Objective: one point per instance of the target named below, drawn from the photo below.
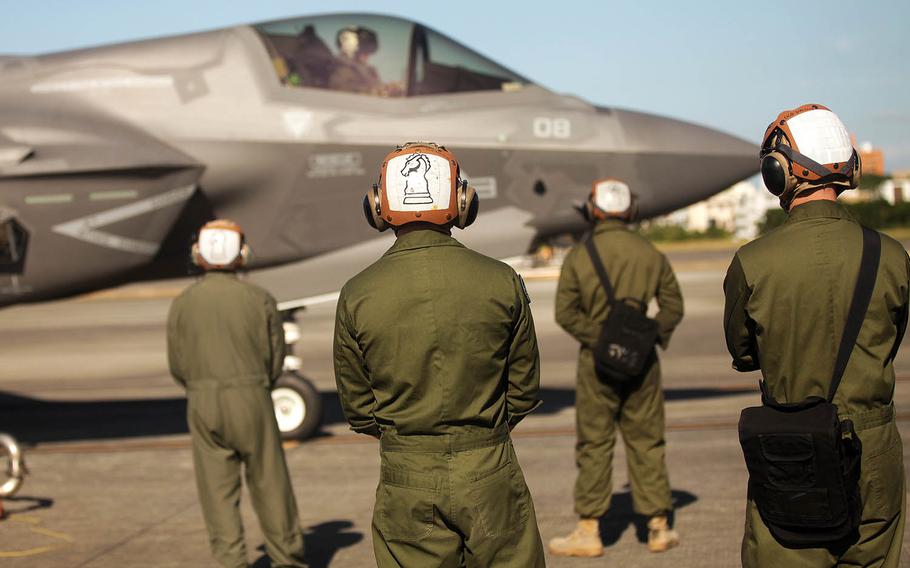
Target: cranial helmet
(806, 149)
(609, 198)
(221, 246)
(420, 181)
(356, 40)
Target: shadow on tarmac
(35, 421)
(321, 542)
(555, 400)
(622, 514)
(25, 504)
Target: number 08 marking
(547, 127)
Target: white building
(738, 210)
(895, 190)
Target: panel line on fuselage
(85, 228)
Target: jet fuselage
(111, 157)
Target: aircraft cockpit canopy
(379, 56)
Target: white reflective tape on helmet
(819, 134)
(612, 196)
(418, 182)
(219, 247)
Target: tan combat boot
(660, 537)
(583, 541)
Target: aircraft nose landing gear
(15, 469)
(298, 406)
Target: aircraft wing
(78, 180)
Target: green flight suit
(636, 270)
(787, 296)
(226, 347)
(435, 351)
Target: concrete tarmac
(84, 384)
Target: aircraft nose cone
(683, 162)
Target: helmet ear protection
(364, 39)
(775, 171)
(195, 257)
(587, 211)
(856, 177)
(616, 198)
(210, 260)
(244, 258)
(466, 196)
(372, 209)
(787, 171)
(591, 213)
(633, 211)
(468, 205)
(426, 186)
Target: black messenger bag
(803, 462)
(625, 348)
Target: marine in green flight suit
(226, 347)
(787, 298)
(636, 270)
(436, 355)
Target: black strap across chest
(862, 294)
(600, 270)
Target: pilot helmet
(806, 149)
(610, 198)
(221, 245)
(356, 40)
(420, 182)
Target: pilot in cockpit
(352, 72)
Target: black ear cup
(367, 209)
(633, 211)
(372, 209)
(468, 205)
(857, 176)
(775, 171)
(195, 256)
(246, 255)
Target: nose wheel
(15, 468)
(298, 406)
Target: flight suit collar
(609, 225)
(217, 274)
(422, 239)
(818, 210)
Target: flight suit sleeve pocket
(500, 501)
(884, 489)
(405, 505)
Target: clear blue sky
(732, 65)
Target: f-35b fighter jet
(111, 157)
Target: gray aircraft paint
(136, 121)
(87, 228)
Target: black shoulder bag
(804, 463)
(625, 347)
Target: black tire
(290, 390)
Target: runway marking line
(34, 525)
